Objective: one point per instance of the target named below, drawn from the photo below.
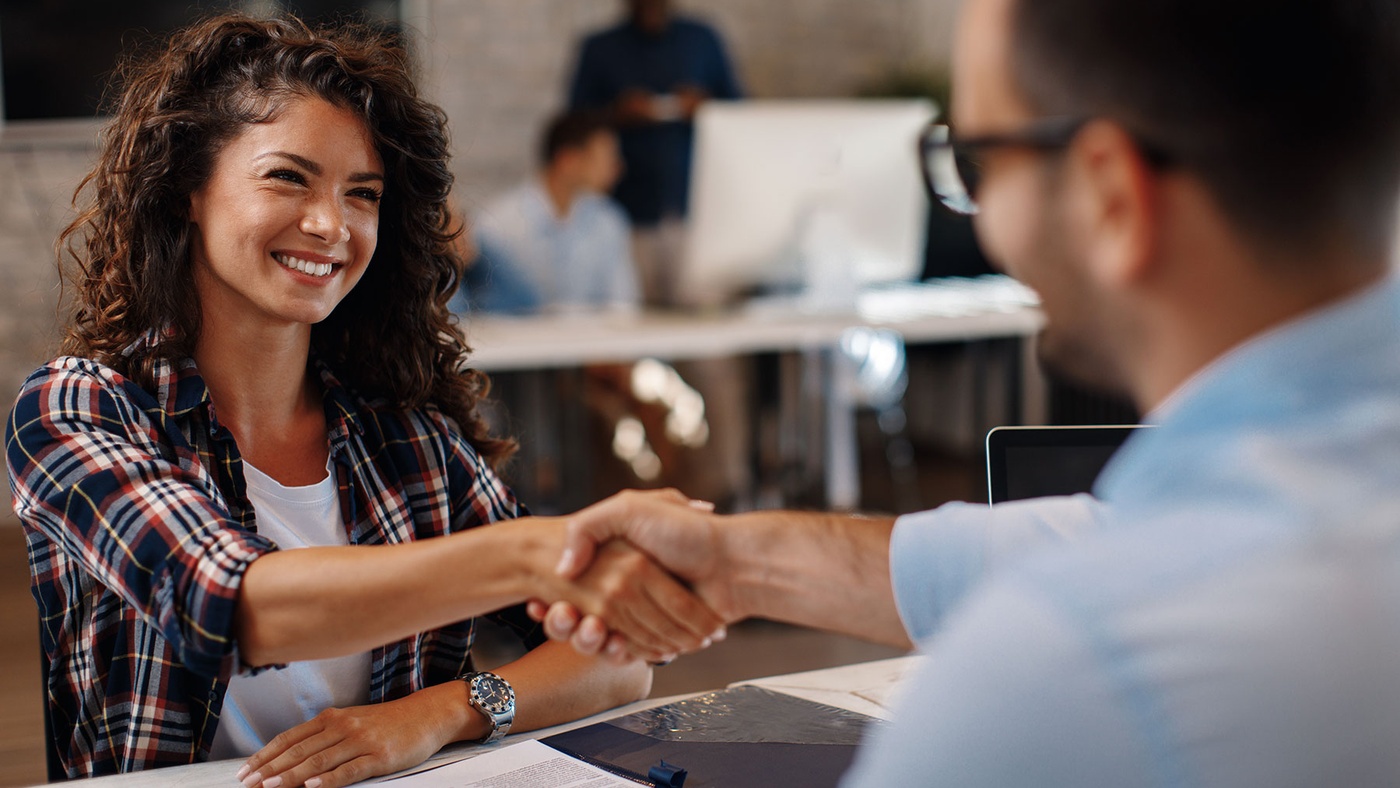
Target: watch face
(493, 693)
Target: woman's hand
(669, 528)
(343, 746)
(659, 617)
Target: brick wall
(500, 67)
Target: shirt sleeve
(1010, 695)
(586, 90)
(938, 556)
(723, 82)
(89, 473)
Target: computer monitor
(824, 196)
(1031, 462)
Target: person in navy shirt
(651, 73)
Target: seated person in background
(557, 242)
(260, 505)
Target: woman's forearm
(321, 602)
(554, 684)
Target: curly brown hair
(392, 337)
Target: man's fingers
(695, 623)
(617, 517)
(589, 637)
(536, 609)
(672, 494)
(561, 620)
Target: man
(1203, 193)
(650, 74)
(556, 241)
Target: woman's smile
(288, 220)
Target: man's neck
(1218, 319)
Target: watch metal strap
(502, 715)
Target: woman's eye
(290, 176)
(371, 195)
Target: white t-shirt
(256, 708)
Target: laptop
(1032, 462)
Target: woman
(260, 356)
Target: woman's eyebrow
(315, 169)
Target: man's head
(581, 149)
(1214, 130)
(650, 16)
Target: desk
(864, 688)
(965, 311)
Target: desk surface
(921, 313)
(864, 688)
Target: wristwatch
(492, 695)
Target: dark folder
(744, 736)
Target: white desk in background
(928, 313)
(865, 688)
(940, 311)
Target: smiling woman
(252, 486)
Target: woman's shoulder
(74, 374)
(69, 395)
(172, 382)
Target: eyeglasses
(952, 168)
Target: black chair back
(57, 774)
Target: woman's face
(287, 222)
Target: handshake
(652, 575)
(643, 574)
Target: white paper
(528, 764)
(867, 689)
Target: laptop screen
(1031, 462)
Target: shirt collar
(342, 406)
(1288, 372)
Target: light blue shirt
(583, 260)
(1230, 617)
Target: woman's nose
(325, 219)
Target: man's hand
(689, 99)
(343, 746)
(679, 534)
(635, 107)
(658, 617)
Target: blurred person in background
(650, 74)
(557, 241)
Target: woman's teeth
(304, 266)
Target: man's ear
(1115, 204)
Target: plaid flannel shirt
(139, 531)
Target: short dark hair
(571, 130)
(1289, 112)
